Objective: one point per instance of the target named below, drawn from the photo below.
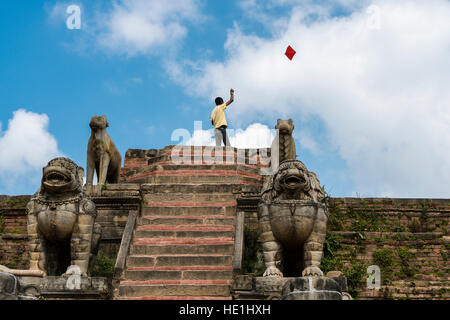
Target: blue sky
(154, 66)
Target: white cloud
(58, 12)
(382, 94)
(307, 141)
(25, 148)
(256, 135)
(130, 27)
(201, 138)
(140, 26)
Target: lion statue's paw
(312, 272)
(272, 272)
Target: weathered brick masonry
(13, 232)
(182, 206)
(112, 212)
(183, 242)
(407, 238)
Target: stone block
(270, 284)
(242, 282)
(312, 295)
(67, 287)
(314, 288)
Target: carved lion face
(292, 177)
(62, 175)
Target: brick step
(185, 274)
(183, 268)
(402, 295)
(204, 171)
(421, 283)
(170, 166)
(396, 296)
(185, 228)
(182, 241)
(188, 209)
(175, 282)
(213, 248)
(179, 260)
(213, 233)
(161, 288)
(188, 220)
(189, 188)
(417, 297)
(218, 178)
(410, 290)
(195, 197)
(206, 298)
(226, 164)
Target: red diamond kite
(290, 53)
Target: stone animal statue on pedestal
(283, 146)
(61, 221)
(102, 155)
(293, 218)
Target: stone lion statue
(102, 155)
(283, 146)
(293, 217)
(61, 221)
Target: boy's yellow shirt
(218, 116)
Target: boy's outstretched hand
(231, 97)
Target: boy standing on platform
(219, 121)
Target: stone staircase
(183, 242)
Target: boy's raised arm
(231, 97)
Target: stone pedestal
(331, 287)
(72, 287)
(315, 288)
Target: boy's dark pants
(220, 135)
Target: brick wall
(140, 163)
(112, 213)
(13, 232)
(407, 238)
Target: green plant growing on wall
(252, 261)
(356, 274)
(2, 223)
(385, 260)
(17, 202)
(336, 219)
(424, 219)
(444, 254)
(443, 227)
(17, 231)
(406, 268)
(414, 226)
(329, 262)
(103, 266)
